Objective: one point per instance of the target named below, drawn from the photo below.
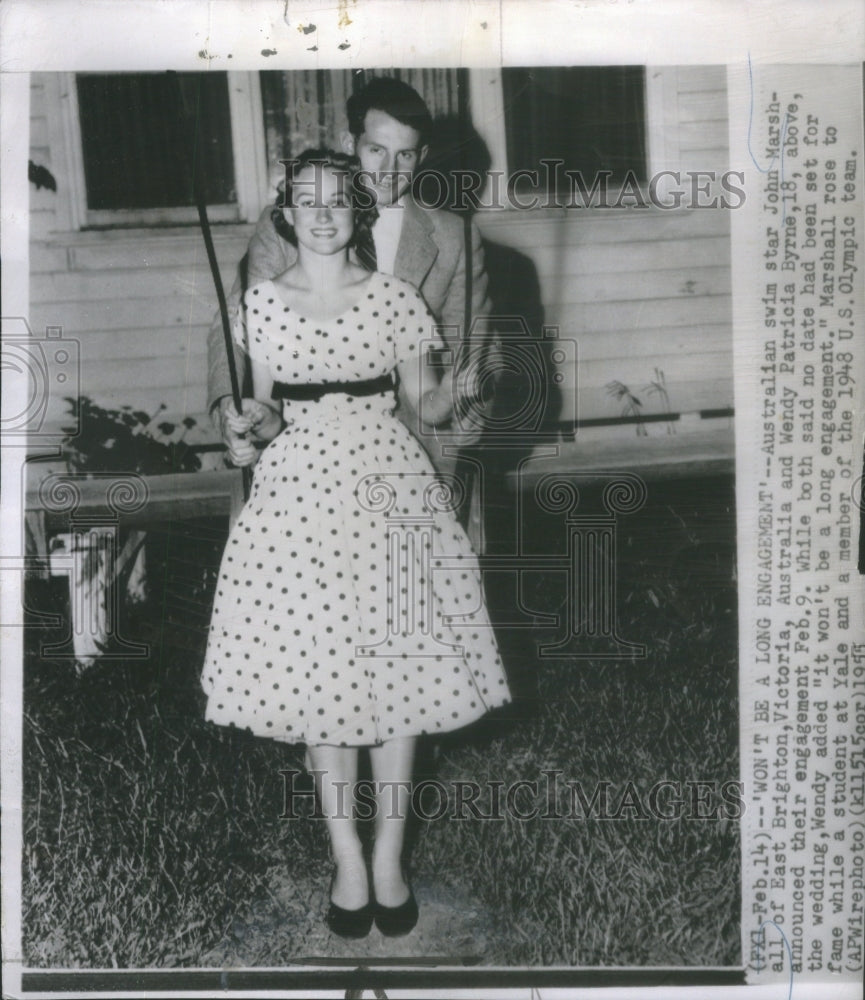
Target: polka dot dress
(349, 608)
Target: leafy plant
(658, 387)
(122, 441)
(631, 404)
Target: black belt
(305, 393)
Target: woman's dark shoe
(395, 921)
(350, 923)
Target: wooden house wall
(642, 291)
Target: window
(590, 117)
(137, 141)
(131, 147)
(307, 107)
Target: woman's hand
(456, 393)
(437, 404)
(257, 422)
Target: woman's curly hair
(360, 198)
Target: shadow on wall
(530, 411)
(514, 288)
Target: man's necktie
(364, 244)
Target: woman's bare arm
(431, 399)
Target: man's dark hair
(394, 98)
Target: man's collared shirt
(386, 233)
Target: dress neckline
(318, 319)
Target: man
(388, 130)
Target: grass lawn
(154, 839)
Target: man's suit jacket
(430, 255)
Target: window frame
(248, 153)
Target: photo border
(45, 35)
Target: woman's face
(320, 212)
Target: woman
(333, 622)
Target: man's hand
(258, 421)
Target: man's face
(389, 152)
